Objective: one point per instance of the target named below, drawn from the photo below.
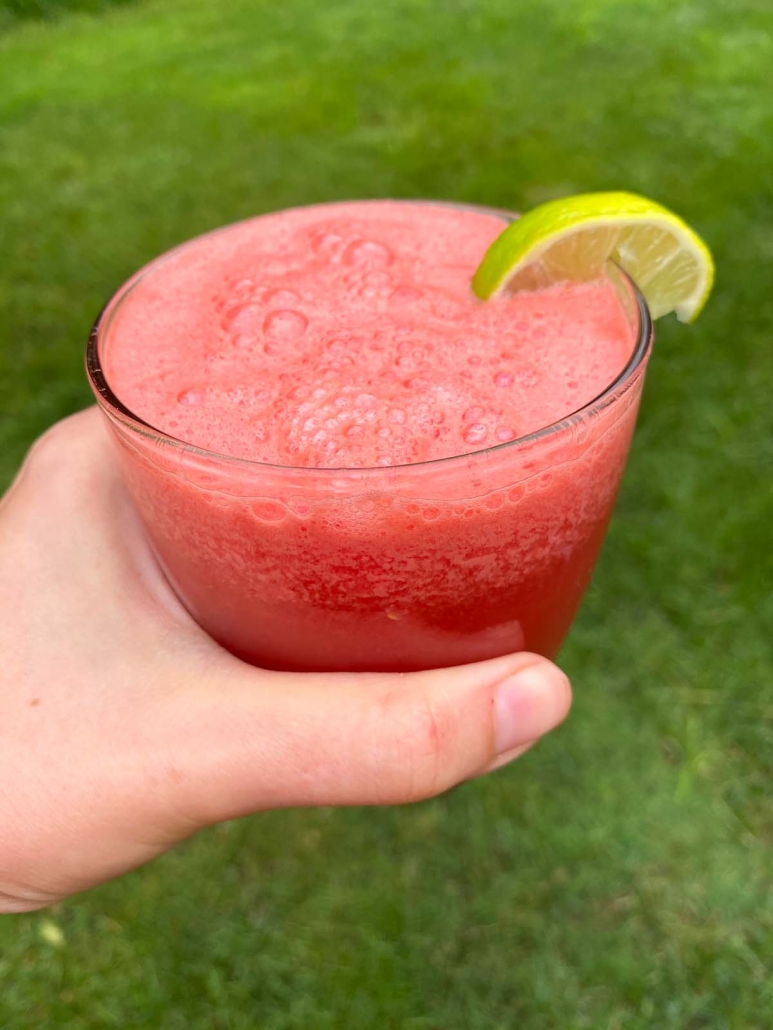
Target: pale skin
(125, 729)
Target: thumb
(271, 740)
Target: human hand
(124, 728)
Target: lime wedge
(573, 237)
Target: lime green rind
(691, 317)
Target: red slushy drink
(344, 460)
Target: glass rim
(114, 407)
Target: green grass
(619, 877)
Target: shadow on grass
(25, 10)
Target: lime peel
(573, 237)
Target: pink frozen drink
(344, 460)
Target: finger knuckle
(56, 460)
(17, 901)
(59, 447)
(420, 744)
(49, 449)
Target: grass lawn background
(620, 875)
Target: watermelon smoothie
(344, 460)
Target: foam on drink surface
(347, 335)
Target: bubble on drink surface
(326, 243)
(368, 254)
(473, 414)
(504, 434)
(261, 396)
(268, 511)
(503, 379)
(285, 324)
(366, 401)
(192, 396)
(476, 433)
(242, 317)
(336, 353)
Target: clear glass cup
(415, 566)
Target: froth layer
(347, 335)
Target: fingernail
(529, 704)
